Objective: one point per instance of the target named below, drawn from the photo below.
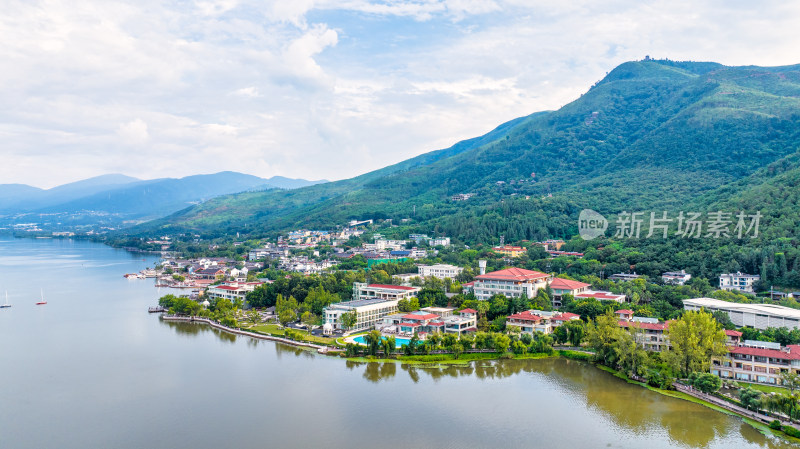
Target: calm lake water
(93, 369)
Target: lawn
(764, 388)
(278, 331)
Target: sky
(323, 89)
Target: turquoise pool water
(399, 341)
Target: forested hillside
(651, 135)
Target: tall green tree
(602, 335)
(694, 339)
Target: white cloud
(134, 132)
(322, 88)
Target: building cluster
(757, 361)
(532, 321)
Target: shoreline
(484, 356)
(320, 349)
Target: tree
(373, 341)
(348, 319)
(286, 309)
(432, 296)
(254, 316)
(707, 383)
(501, 343)
(790, 380)
(577, 330)
(308, 319)
(387, 345)
(694, 339)
(602, 335)
(750, 398)
(631, 357)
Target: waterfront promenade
(222, 327)
(730, 406)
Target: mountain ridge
(650, 134)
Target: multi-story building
(439, 241)
(440, 271)
(510, 251)
(232, 290)
(738, 281)
(676, 277)
(625, 276)
(561, 287)
(531, 321)
(601, 296)
(757, 361)
(759, 316)
(651, 334)
(511, 282)
(381, 291)
(369, 312)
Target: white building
(440, 271)
(439, 241)
(511, 282)
(676, 277)
(738, 281)
(232, 290)
(381, 291)
(759, 316)
(369, 312)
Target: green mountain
(651, 135)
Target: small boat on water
(42, 301)
(6, 304)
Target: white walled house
(440, 271)
(511, 282)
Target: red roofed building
(601, 296)
(650, 334)
(511, 282)
(734, 337)
(510, 251)
(232, 290)
(562, 287)
(531, 321)
(624, 314)
(760, 362)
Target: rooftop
(769, 309)
(512, 274)
(792, 352)
(567, 284)
(362, 302)
(525, 316)
(391, 287)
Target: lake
(93, 369)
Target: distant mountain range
(652, 135)
(118, 198)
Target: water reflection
(630, 408)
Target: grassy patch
(276, 331)
(764, 388)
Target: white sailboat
(6, 305)
(42, 302)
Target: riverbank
(759, 422)
(756, 420)
(236, 331)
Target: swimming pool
(399, 341)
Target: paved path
(214, 324)
(728, 405)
